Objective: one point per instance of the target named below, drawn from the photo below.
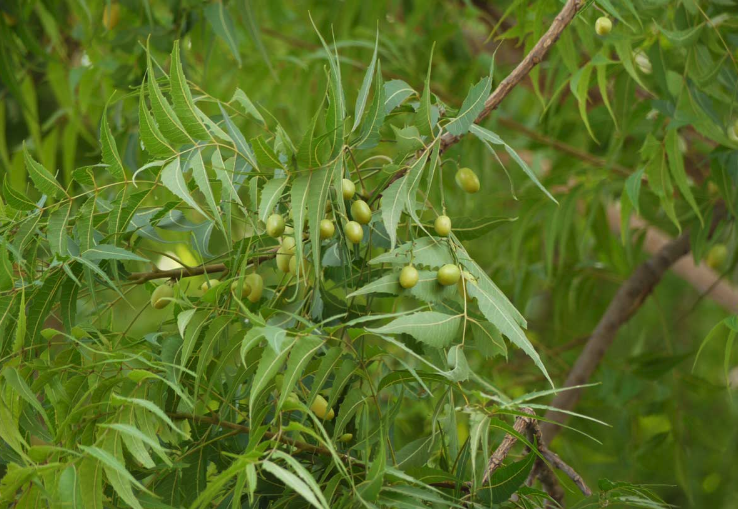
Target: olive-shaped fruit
(327, 229)
(275, 225)
(408, 276)
(354, 232)
(467, 180)
(243, 285)
(111, 15)
(256, 283)
(320, 408)
(161, 295)
(348, 189)
(716, 256)
(361, 212)
(288, 243)
(284, 253)
(346, 437)
(443, 226)
(448, 275)
(210, 283)
(603, 25)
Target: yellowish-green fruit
(348, 189)
(243, 285)
(210, 283)
(256, 283)
(408, 276)
(275, 225)
(346, 437)
(443, 226)
(353, 232)
(361, 212)
(284, 253)
(161, 295)
(327, 229)
(320, 408)
(111, 15)
(603, 25)
(716, 256)
(448, 275)
(467, 180)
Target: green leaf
(14, 380)
(271, 361)
(90, 480)
(16, 199)
(508, 479)
(365, 86)
(173, 179)
(265, 156)
(293, 482)
(320, 186)
(488, 136)
(110, 149)
(682, 38)
(300, 192)
(241, 98)
(222, 24)
(394, 199)
(430, 327)
(57, 229)
(369, 136)
(200, 174)
(424, 118)
(469, 228)
(579, 86)
(184, 106)
(429, 252)
(69, 489)
(676, 165)
(353, 402)
(243, 148)
(166, 119)
(42, 179)
(110, 252)
(270, 196)
(303, 351)
(224, 171)
(470, 108)
(153, 140)
(395, 92)
(307, 153)
(303, 474)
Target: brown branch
(521, 425)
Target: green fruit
(361, 212)
(320, 408)
(348, 189)
(275, 225)
(327, 229)
(354, 232)
(717, 256)
(448, 275)
(467, 180)
(603, 25)
(346, 437)
(443, 225)
(160, 296)
(408, 276)
(243, 285)
(256, 283)
(210, 283)
(288, 243)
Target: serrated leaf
(365, 86)
(57, 229)
(242, 147)
(109, 149)
(173, 179)
(471, 107)
(241, 98)
(374, 119)
(69, 489)
(307, 153)
(320, 186)
(265, 156)
(224, 173)
(468, 228)
(681, 38)
(676, 165)
(271, 361)
(184, 106)
(222, 24)
(16, 199)
(166, 119)
(293, 482)
(110, 252)
(429, 252)
(395, 92)
(154, 141)
(429, 327)
(41, 177)
(270, 196)
(303, 351)
(507, 479)
(298, 200)
(200, 174)
(579, 86)
(394, 199)
(423, 117)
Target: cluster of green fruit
(250, 287)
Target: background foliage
(95, 381)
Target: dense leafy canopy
(196, 312)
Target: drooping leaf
(471, 107)
(222, 24)
(430, 327)
(109, 148)
(184, 106)
(365, 86)
(42, 179)
(173, 179)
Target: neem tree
(276, 380)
